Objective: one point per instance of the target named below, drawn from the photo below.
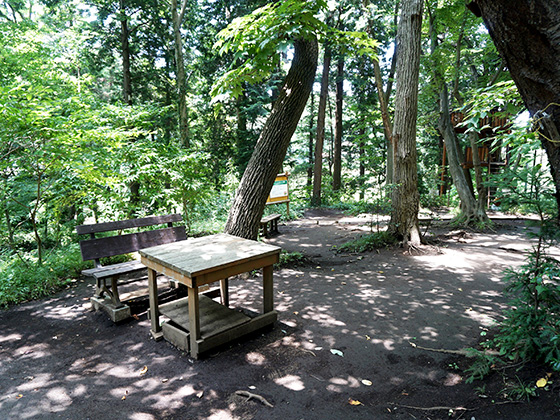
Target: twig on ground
(250, 395)
(436, 408)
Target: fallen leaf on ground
(354, 402)
(337, 352)
(541, 383)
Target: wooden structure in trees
(491, 156)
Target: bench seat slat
(123, 244)
(269, 218)
(114, 270)
(128, 224)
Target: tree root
(461, 352)
(250, 395)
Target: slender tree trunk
(361, 158)
(181, 75)
(6, 211)
(387, 126)
(337, 154)
(481, 192)
(405, 198)
(310, 142)
(394, 59)
(125, 50)
(384, 97)
(241, 158)
(270, 150)
(321, 115)
(470, 209)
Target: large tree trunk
(125, 51)
(266, 161)
(181, 75)
(321, 115)
(405, 198)
(527, 36)
(337, 153)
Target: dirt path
(343, 338)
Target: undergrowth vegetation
(530, 329)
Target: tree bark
(319, 142)
(125, 51)
(337, 154)
(405, 197)
(310, 142)
(181, 75)
(527, 36)
(270, 150)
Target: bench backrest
(96, 248)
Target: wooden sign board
(280, 192)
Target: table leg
(194, 320)
(154, 308)
(268, 296)
(224, 291)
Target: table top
(197, 256)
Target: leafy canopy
(254, 40)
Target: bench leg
(115, 292)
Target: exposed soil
(341, 348)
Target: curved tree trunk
(405, 198)
(471, 209)
(527, 36)
(266, 160)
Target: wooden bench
(271, 220)
(96, 248)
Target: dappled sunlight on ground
(346, 324)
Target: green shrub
(291, 259)
(531, 328)
(21, 281)
(369, 242)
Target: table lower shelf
(218, 324)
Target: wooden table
(198, 323)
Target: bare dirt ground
(340, 349)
